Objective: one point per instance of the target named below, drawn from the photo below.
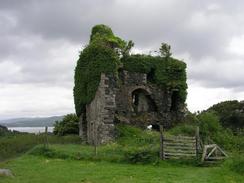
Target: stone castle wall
(100, 113)
(128, 99)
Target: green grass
(13, 145)
(132, 158)
(36, 169)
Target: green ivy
(104, 54)
(100, 56)
(166, 73)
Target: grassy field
(133, 157)
(38, 169)
(15, 144)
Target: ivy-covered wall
(106, 53)
(99, 56)
(166, 73)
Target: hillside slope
(31, 122)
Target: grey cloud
(200, 28)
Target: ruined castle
(133, 97)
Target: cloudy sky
(41, 40)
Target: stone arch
(142, 101)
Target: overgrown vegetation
(106, 53)
(231, 114)
(68, 125)
(236, 163)
(167, 73)
(132, 146)
(4, 131)
(211, 131)
(100, 56)
(16, 144)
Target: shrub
(210, 128)
(69, 125)
(129, 135)
(141, 155)
(48, 152)
(184, 129)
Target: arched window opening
(142, 101)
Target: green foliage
(15, 144)
(101, 31)
(209, 124)
(165, 50)
(141, 156)
(130, 135)
(236, 164)
(210, 128)
(184, 129)
(133, 145)
(127, 49)
(102, 34)
(4, 131)
(48, 152)
(231, 114)
(187, 126)
(100, 56)
(168, 74)
(122, 154)
(106, 53)
(211, 131)
(69, 125)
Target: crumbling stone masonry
(129, 99)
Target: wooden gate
(185, 147)
(178, 147)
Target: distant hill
(231, 114)
(31, 122)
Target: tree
(68, 125)
(127, 49)
(165, 50)
(231, 114)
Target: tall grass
(15, 144)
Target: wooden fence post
(46, 138)
(161, 153)
(197, 141)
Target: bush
(211, 131)
(143, 156)
(69, 125)
(48, 152)
(210, 128)
(184, 129)
(129, 135)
